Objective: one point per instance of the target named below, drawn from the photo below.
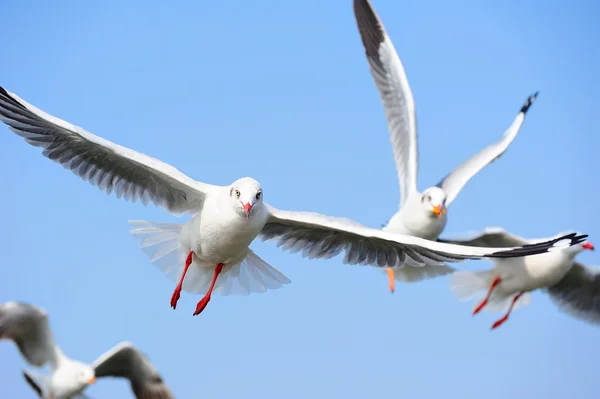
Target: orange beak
(438, 211)
(247, 208)
(588, 245)
(91, 380)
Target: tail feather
(161, 243)
(409, 274)
(251, 275)
(38, 382)
(466, 285)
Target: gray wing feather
(28, 327)
(453, 183)
(126, 361)
(109, 166)
(578, 293)
(398, 103)
(493, 237)
(320, 236)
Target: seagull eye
(426, 197)
(237, 193)
(258, 195)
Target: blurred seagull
(572, 286)
(28, 327)
(420, 214)
(211, 251)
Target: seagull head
(72, 378)
(246, 194)
(434, 201)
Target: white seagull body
(29, 328)
(225, 219)
(420, 214)
(573, 286)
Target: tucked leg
(496, 281)
(204, 301)
(177, 292)
(499, 322)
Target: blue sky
(280, 91)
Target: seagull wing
(125, 360)
(578, 293)
(398, 103)
(28, 327)
(490, 237)
(320, 236)
(109, 166)
(455, 181)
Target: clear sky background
(281, 91)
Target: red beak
(588, 245)
(247, 208)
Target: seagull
(420, 214)
(211, 251)
(28, 327)
(572, 286)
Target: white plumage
(574, 287)
(213, 247)
(420, 214)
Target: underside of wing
(320, 236)
(578, 293)
(453, 183)
(109, 166)
(398, 103)
(28, 327)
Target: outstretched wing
(456, 180)
(28, 327)
(493, 237)
(398, 103)
(109, 166)
(320, 236)
(125, 360)
(578, 293)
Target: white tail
(466, 285)
(162, 244)
(39, 383)
(410, 274)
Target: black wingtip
(371, 31)
(540, 247)
(530, 100)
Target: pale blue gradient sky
(281, 91)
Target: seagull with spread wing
(211, 251)
(571, 285)
(420, 214)
(29, 328)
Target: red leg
(177, 292)
(496, 281)
(390, 273)
(204, 301)
(499, 322)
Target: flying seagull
(571, 285)
(28, 327)
(420, 214)
(211, 251)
